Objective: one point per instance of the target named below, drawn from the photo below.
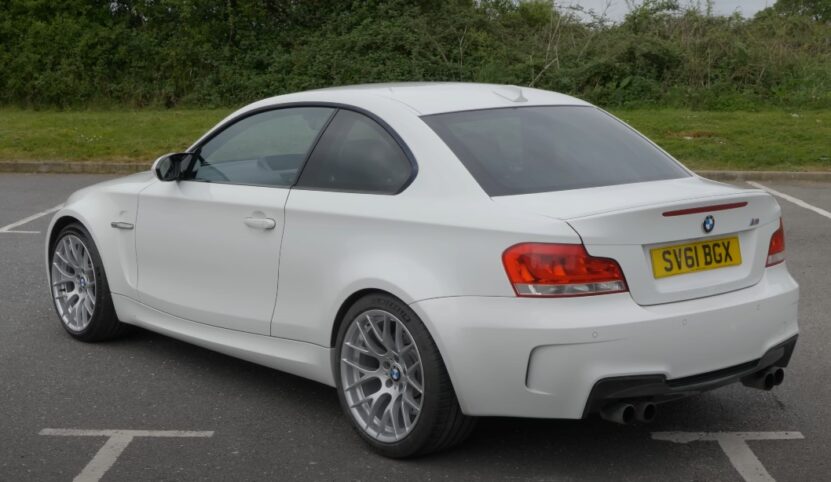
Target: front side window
(356, 154)
(525, 150)
(265, 149)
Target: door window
(356, 154)
(265, 149)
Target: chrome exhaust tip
(778, 376)
(645, 412)
(620, 412)
(765, 379)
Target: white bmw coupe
(439, 252)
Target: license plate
(692, 257)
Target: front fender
(95, 208)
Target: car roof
(426, 98)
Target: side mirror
(170, 167)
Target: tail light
(538, 269)
(776, 251)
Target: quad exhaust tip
(620, 412)
(626, 413)
(645, 412)
(778, 376)
(765, 379)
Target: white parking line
(117, 441)
(734, 445)
(788, 197)
(8, 228)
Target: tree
(819, 10)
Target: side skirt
(299, 358)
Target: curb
(67, 167)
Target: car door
(341, 209)
(208, 246)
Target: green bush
(165, 53)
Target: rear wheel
(79, 287)
(392, 382)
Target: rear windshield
(526, 150)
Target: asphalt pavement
(254, 423)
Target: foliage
(820, 10)
(165, 53)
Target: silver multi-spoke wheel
(382, 377)
(73, 282)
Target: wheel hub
(395, 373)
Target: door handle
(261, 223)
(121, 225)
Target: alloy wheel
(382, 377)
(73, 282)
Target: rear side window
(526, 150)
(356, 154)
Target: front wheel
(392, 382)
(79, 287)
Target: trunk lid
(625, 222)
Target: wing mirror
(171, 167)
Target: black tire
(103, 324)
(441, 423)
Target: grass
(115, 136)
(768, 140)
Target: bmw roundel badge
(709, 224)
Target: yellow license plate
(691, 257)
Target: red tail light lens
(776, 251)
(541, 269)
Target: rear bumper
(544, 358)
(657, 389)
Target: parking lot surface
(223, 419)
